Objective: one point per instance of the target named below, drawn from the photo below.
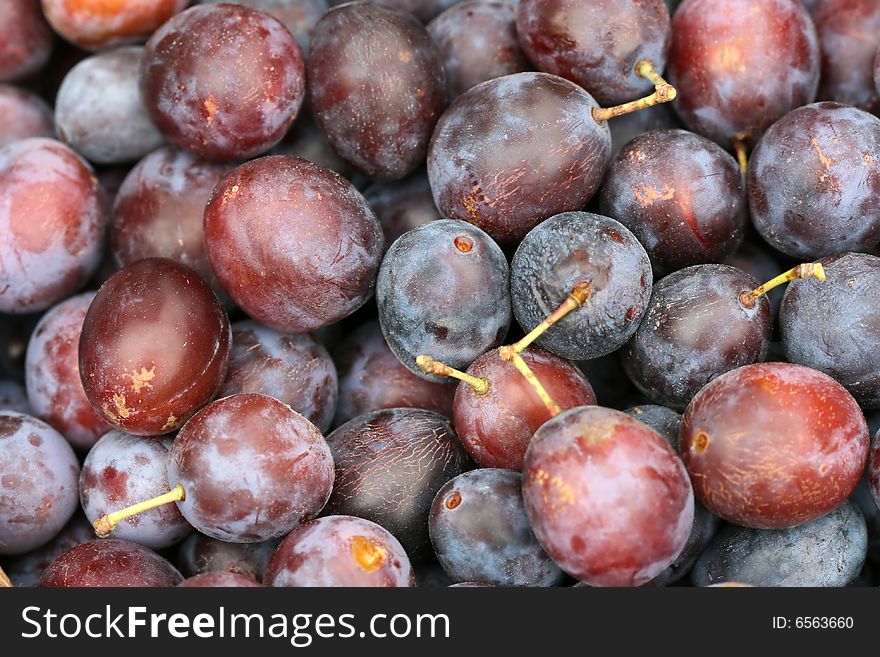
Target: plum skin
(774, 445)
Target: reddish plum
(53, 221)
(774, 445)
(402, 205)
(110, 564)
(25, 40)
(294, 244)
(55, 389)
(340, 551)
(377, 87)
(23, 114)
(607, 497)
(154, 347)
(224, 81)
(25, 570)
(295, 369)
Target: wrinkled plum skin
(814, 182)
(739, 65)
(298, 16)
(773, 445)
(834, 326)
(443, 291)
(99, 110)
(98, 25)
(25, 40)
(26, 570)
(304, 224)
(597, 44)
(218, 580)
(217, 453)
(402, 205)
(109, 564)
(629, 126)
(389, 466)
(827, 552)
(496, 427)
(53, 221)
(22, 115)
(607, 497)
(159, 211)
(340, 551)
(477, 42)
(294, 368)
(121, 470)
(200, 72)
(371, 378)
(202, 554)
(849, 35)
(661, 419)
(573, 248)
(515, 150)
(54, 386)
(154, 347)
(696, 328)
(681, 195)
(480, 532)
(376, 86)
(38, 483)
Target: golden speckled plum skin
(55, 389)
(224, 81)
(695, 329)
(496, 427)
(814, 182)
(477, 42)
(680, 194)
(110, 563)
(515, 150)
(739, 65)
(849, 35)
(295, 245)
(53, 221)
(154, 347)
(607, 497)
(443, 291)
(376, 86)
(597, 44)
(38, 482)
(834, 325)
(574, 248)
(338, 551)
(774, 445)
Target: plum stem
(105, 524)
(508, 353)
(5, 582)
(663, 93)
(806, 270)
(742, 153)
(573, 301)
(430, 366)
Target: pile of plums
(429, 293)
